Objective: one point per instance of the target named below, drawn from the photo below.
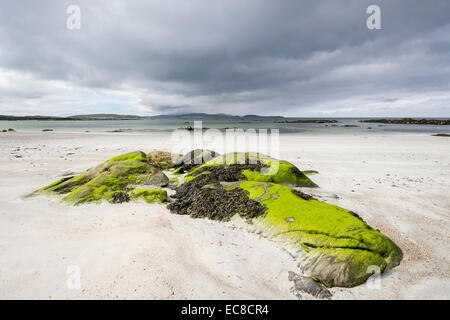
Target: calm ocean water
(150, 125)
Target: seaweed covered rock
(306, 284)
(214, 201)
(117, 180)
(195, 158)
(162, 159)
(150, 195)
(252, 167)
(335, 247)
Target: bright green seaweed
(136, 155)
(277, 171)
(150, 195)
(337, 247)
(118, 179)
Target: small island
(85, 117)
(308, 121)
(409, 121)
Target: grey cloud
(268, 57)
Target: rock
(302, 195)
(119, 179)
(132, 156)
(119, 197)
(11, 130)
(195, 158)
(47, 130)
(436, 122)
(252, 167)
(214, 201)
(150, 195)
(310, 172)
(334, 245)
(441, 135)
(308, 121)
(121, 130)
(163, 160)
(307, 285)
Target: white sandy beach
(399, 184)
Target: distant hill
(13, 118)
(104, 116)
(185, 116)
(84, 117)
(217, 116)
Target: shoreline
(146, 132)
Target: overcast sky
(294, 58)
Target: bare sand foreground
(398, 184)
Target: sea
(343, 126)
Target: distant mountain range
(207, 116)
(84, 117)
(217, 116)
(106, 116)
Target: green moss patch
(337, 246)
(114, 180)
(162, 159)
(150, 195)
(132, 156)
(255, 167)
(310, 172)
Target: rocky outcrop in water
(441, 135)
(409, 121)
(308, 121)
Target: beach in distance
(397, 180)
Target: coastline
(397, 183)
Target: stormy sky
(290, 57)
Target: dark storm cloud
(268, 57)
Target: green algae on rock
(195, 158)
(116, 180)
(336, 248)
(253, 167)
(150, 195)
(164, 160)
(136, 155)
(310, 172)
